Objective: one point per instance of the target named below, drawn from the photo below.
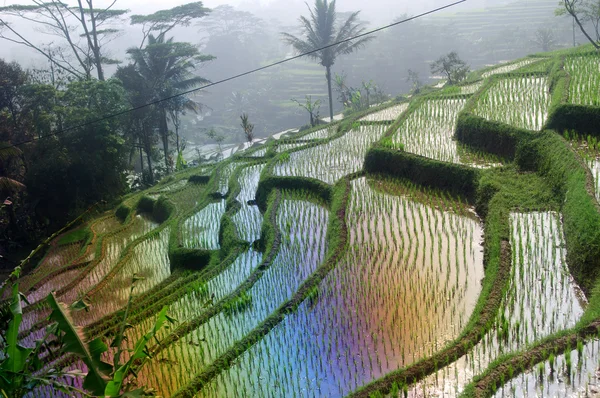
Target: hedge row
(493, 137)
(456, 178)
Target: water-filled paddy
(385, 305)
(304, 225)
(521, 102)
(331, 161)
(542, 299)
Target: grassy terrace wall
(551, 156)
(455, 178)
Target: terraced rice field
(304, 249)
(363, 320)
(542, 299)
(507, 68)
(574, 374)
(388, 114)
(342, 283)
(585, 79)
(331, 161)
(429, 131)
(520, 102)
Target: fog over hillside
(483, 32)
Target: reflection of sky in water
(302, 250)
(371, 314)
(543, 300)
(584, 380)
(248, 220)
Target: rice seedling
(260, 153)
(304, 227)
(199, 296)
(507, 68)
(543, 65)
(388, 114)
(331, 161)
(429, 132)
(580, 381)
(406, 286)
(471, 88)
(585, 79)
(112, 247)
(201, 231)
(542, 299)
(521, 102)
(320, 134)
(248, 220)
(224, 175)
(149, 260)
(286, 147)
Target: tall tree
(322, 30)
(452, 66)
(83, 29)
(166, 66)
(140, 126)
(582, 12)
(162, 22)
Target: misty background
(245, 34)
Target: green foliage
(454, 68)
(85, 164)
(122, 212)
(190, 259)
(77, 235)
(493, 137)
(585, 119)
(239, 304)
(198, 179)
(90, 353)
(145, 204)
(22, 371)
(457, 179)
(163, 209)
(270, 182)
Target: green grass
(80, 234)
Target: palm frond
(7, 151)
(8, 185)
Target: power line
(236, 76)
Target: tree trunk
(574, 15)
(150, 167)
(164, 133)
(141, 156)
(328, 75)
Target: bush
(145, 204)
(162, 210)
(189, 259)
(122, 212)
(458, 179)
(198, 179)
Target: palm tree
(322, 31)
(167, 66)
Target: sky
(285, 12)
